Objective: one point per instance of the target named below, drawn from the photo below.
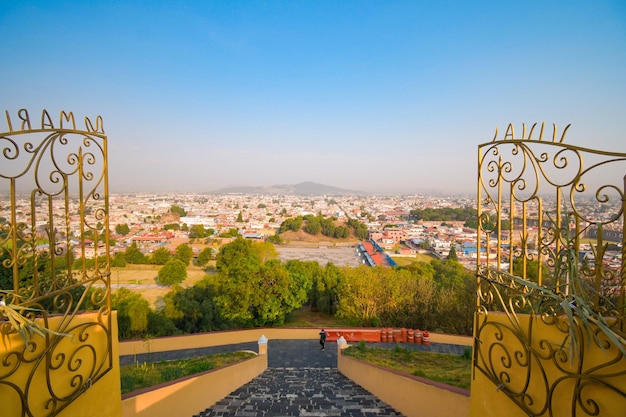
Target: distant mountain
(304, 188)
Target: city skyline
(378, 97)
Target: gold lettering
(495, 137)
(510, 132)
(523, 130)
(564, 133)
(532, 129)
(554, 128)
(46, 121)
(23, 116)
(99, 125)
(6, 112)
(69, 117)
(543, 125)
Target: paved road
(284, 353)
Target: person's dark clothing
(322, 338)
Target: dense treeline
(465, 214)
(252, 288)
(439, 296)
(326, 226)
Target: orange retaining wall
(408, 394)
(188, 396)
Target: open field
(419, 257)
(340, 256)
(142, 279)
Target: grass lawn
(450, 369)
(419, 257)
(137, 376)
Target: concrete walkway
(301, 380)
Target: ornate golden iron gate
(54, 254)
(550, 259)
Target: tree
(274, 297)
(275, 239)
(172, 226)
(313, 226)
(455, 298)
(232, 232)
(359, 296)
(122, 229)
(178, 210)
(173, 272)
(132, 313)
(327, 286)
(301, 275)
(239, 218)
(160, 326)
(328, 227)
(342, 232)
(26, 270)
(118, 260)
(452, 253)
(133, 255)
(253, 287)
(265, 251)
(360, 229)
(205, 256)
(197, 231)
(193, 309)
(291, 224)
(184, 253)
(161, 256)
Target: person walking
(322, 339)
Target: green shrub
(137, 376)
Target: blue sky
(380, 96)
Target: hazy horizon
(381, 97)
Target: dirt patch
(304, 239)
(305, 317)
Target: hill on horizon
(303, 188)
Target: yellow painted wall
(191, 395)
(487, 400)
(101, 399)
(412, 396)
(104, 398)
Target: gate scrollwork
(54, 255)
(550, 261)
